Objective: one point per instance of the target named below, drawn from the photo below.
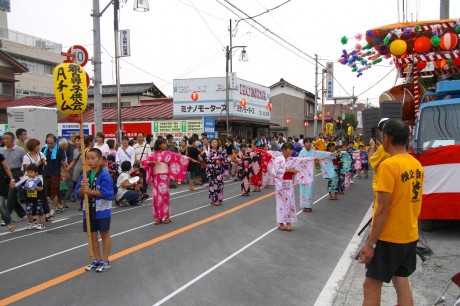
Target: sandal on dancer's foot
(216, 203)
(256, 190)
(11, 227)
(192, 189)
(166, 221)
(306, 209)
(157, 221)
(289, 228)
(245, 195)
(281, 227)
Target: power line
(377, 82)
(268, 30)
(267, 11)
(206, 23)
(265, 34)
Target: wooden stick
(85, 201)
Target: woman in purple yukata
(217, 167)
(160, 166)
(284, 183)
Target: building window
(6, 89)
(114, 104)
(36, 67)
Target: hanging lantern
(448, 41)
(306, 124)
(422, 44)
(440, 64)
(243, 102)
(269, 106)
(194, 96)
(398, 47)
(288, 121)
(421, 65)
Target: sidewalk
(426, 282)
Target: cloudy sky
(186, 38)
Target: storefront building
(206, 97)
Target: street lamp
(140, 6)
(228, 55)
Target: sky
(179, 39)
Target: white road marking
(113, 213)
(330, 289)
(179, 290)
(114, 235)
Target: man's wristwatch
(372, 245)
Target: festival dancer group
(256, 167)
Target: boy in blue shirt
(99, 188)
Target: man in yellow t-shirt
(320, 144)
(390, 251)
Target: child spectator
(139, 188)
(235, 162)
(34, 205)
(364, 161)
(125, 197)
(62, 191)
(99, 188)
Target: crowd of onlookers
(58, 163)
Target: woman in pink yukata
(160, 166)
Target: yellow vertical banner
(70, 88)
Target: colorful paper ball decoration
(421, 65)
(288, 121)
(448, 41)
(422, 44)
(398, 47)
(440, 63)
(306, 124)
(243, 102)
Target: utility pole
(444, 9)
(315, 118)
(97, 78)
(231, 57)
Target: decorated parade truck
(437, 147)
(426, 55)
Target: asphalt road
(228, 255)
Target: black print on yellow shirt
(415, 189)
(31, 193)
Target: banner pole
(85, 201)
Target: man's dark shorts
(365, 166)
(98, 225)
(392, 259)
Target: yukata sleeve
(178, 164)
(278, 170)
(148, 168)
(305, 166)
(327, 167)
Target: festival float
(426, 56)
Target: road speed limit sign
(80, 53)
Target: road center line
(179, 290)
(114, 235)
(115, 212)
(60, 279)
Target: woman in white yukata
(284, 183)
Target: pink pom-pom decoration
(359, 36)
(358, 47)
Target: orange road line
(65, 277)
